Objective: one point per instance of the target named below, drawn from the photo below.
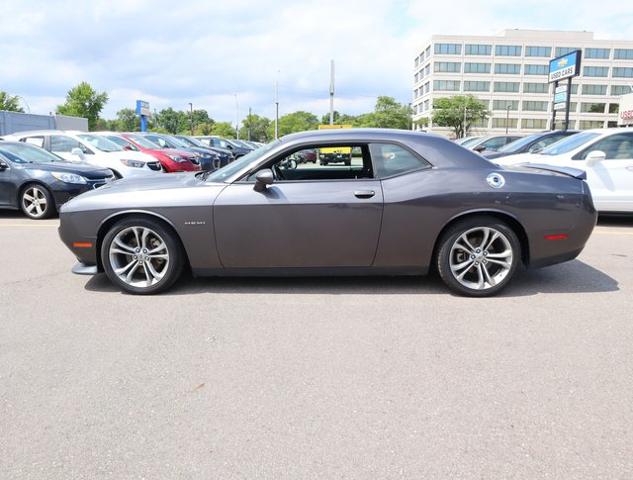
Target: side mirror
(535, 149)
(3, 166)
(595, 156)
(128, 148)
(78, 152)
(263, 178)
(479, 149)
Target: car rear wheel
(142, 256)
(37, 202)
(477, 257)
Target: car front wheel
(142, 256)
(477, 257)
(37, 202)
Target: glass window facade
(508, 50)
(536, 123)
(613, 108)
(476, 49)
(504, 104)
(623, 54)
(535, 87)
(592, 107)
(506, 87)
(538, 51)
(588, 71)
(594, 89)
(589, 124)
(564, 50)
(504, 122)
(476, 86)
(597, 53)
(476, 67)
(452, 67)
(534, 106)
(446, 85)
(535, 69)
(508, 68)
(448, 48)
(622, 72)
(620, 89)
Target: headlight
(69, 177)
(132, 163)
(176, 158)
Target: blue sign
(565, 66)
(142, 108)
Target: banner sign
(565, 66)
(142, 108)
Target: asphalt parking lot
(356, 378)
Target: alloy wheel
(139, 256)
(481, 258)
(34, 202)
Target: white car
(93, 149)
(605, 154)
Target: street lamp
(191, 110)
(507, 117)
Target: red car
(172, 160)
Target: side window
(616, 147)
(393, 160)
(61, 144)
(37, 141)
(323, 162)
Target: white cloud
(206, 52)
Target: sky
(225, 56)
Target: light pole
(277, 106)
(507, 117)
(191, 113)
(237, 118)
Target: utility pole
(331, 92)
(191, 111)
(237, 118)
(507, 117)
(277, 106)
(249, 124)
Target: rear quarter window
(390, 160)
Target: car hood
(174, 151)
(152, 182)
(130, 155)
(203, 151)
(83, 169)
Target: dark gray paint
(322, 227)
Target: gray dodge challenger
(407, 203)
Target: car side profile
(408, 203)
(38, 182)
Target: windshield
(232, 168)
(174, 142)
(101, 143)
(570, 143)
(122, 142)
(470, 141)
(192, 141)
(25, 153)
(520, 143)
(143, 142)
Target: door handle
(364, 193)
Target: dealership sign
(560, 97)
(625, 115)
(565, 66)
(142, 108)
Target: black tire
(174, 249)
(47, 207)
(453, 233)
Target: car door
(7, 183)
(311, 216)
(611, 179)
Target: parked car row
(41, 170)
(606, 155)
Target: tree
(10, 103)
(223, 129)
(127, 121)
(295, 122)
(459, 113)
(259, 128)
(388, 113)
(204, 128)
(173, 121)
(84, 101)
